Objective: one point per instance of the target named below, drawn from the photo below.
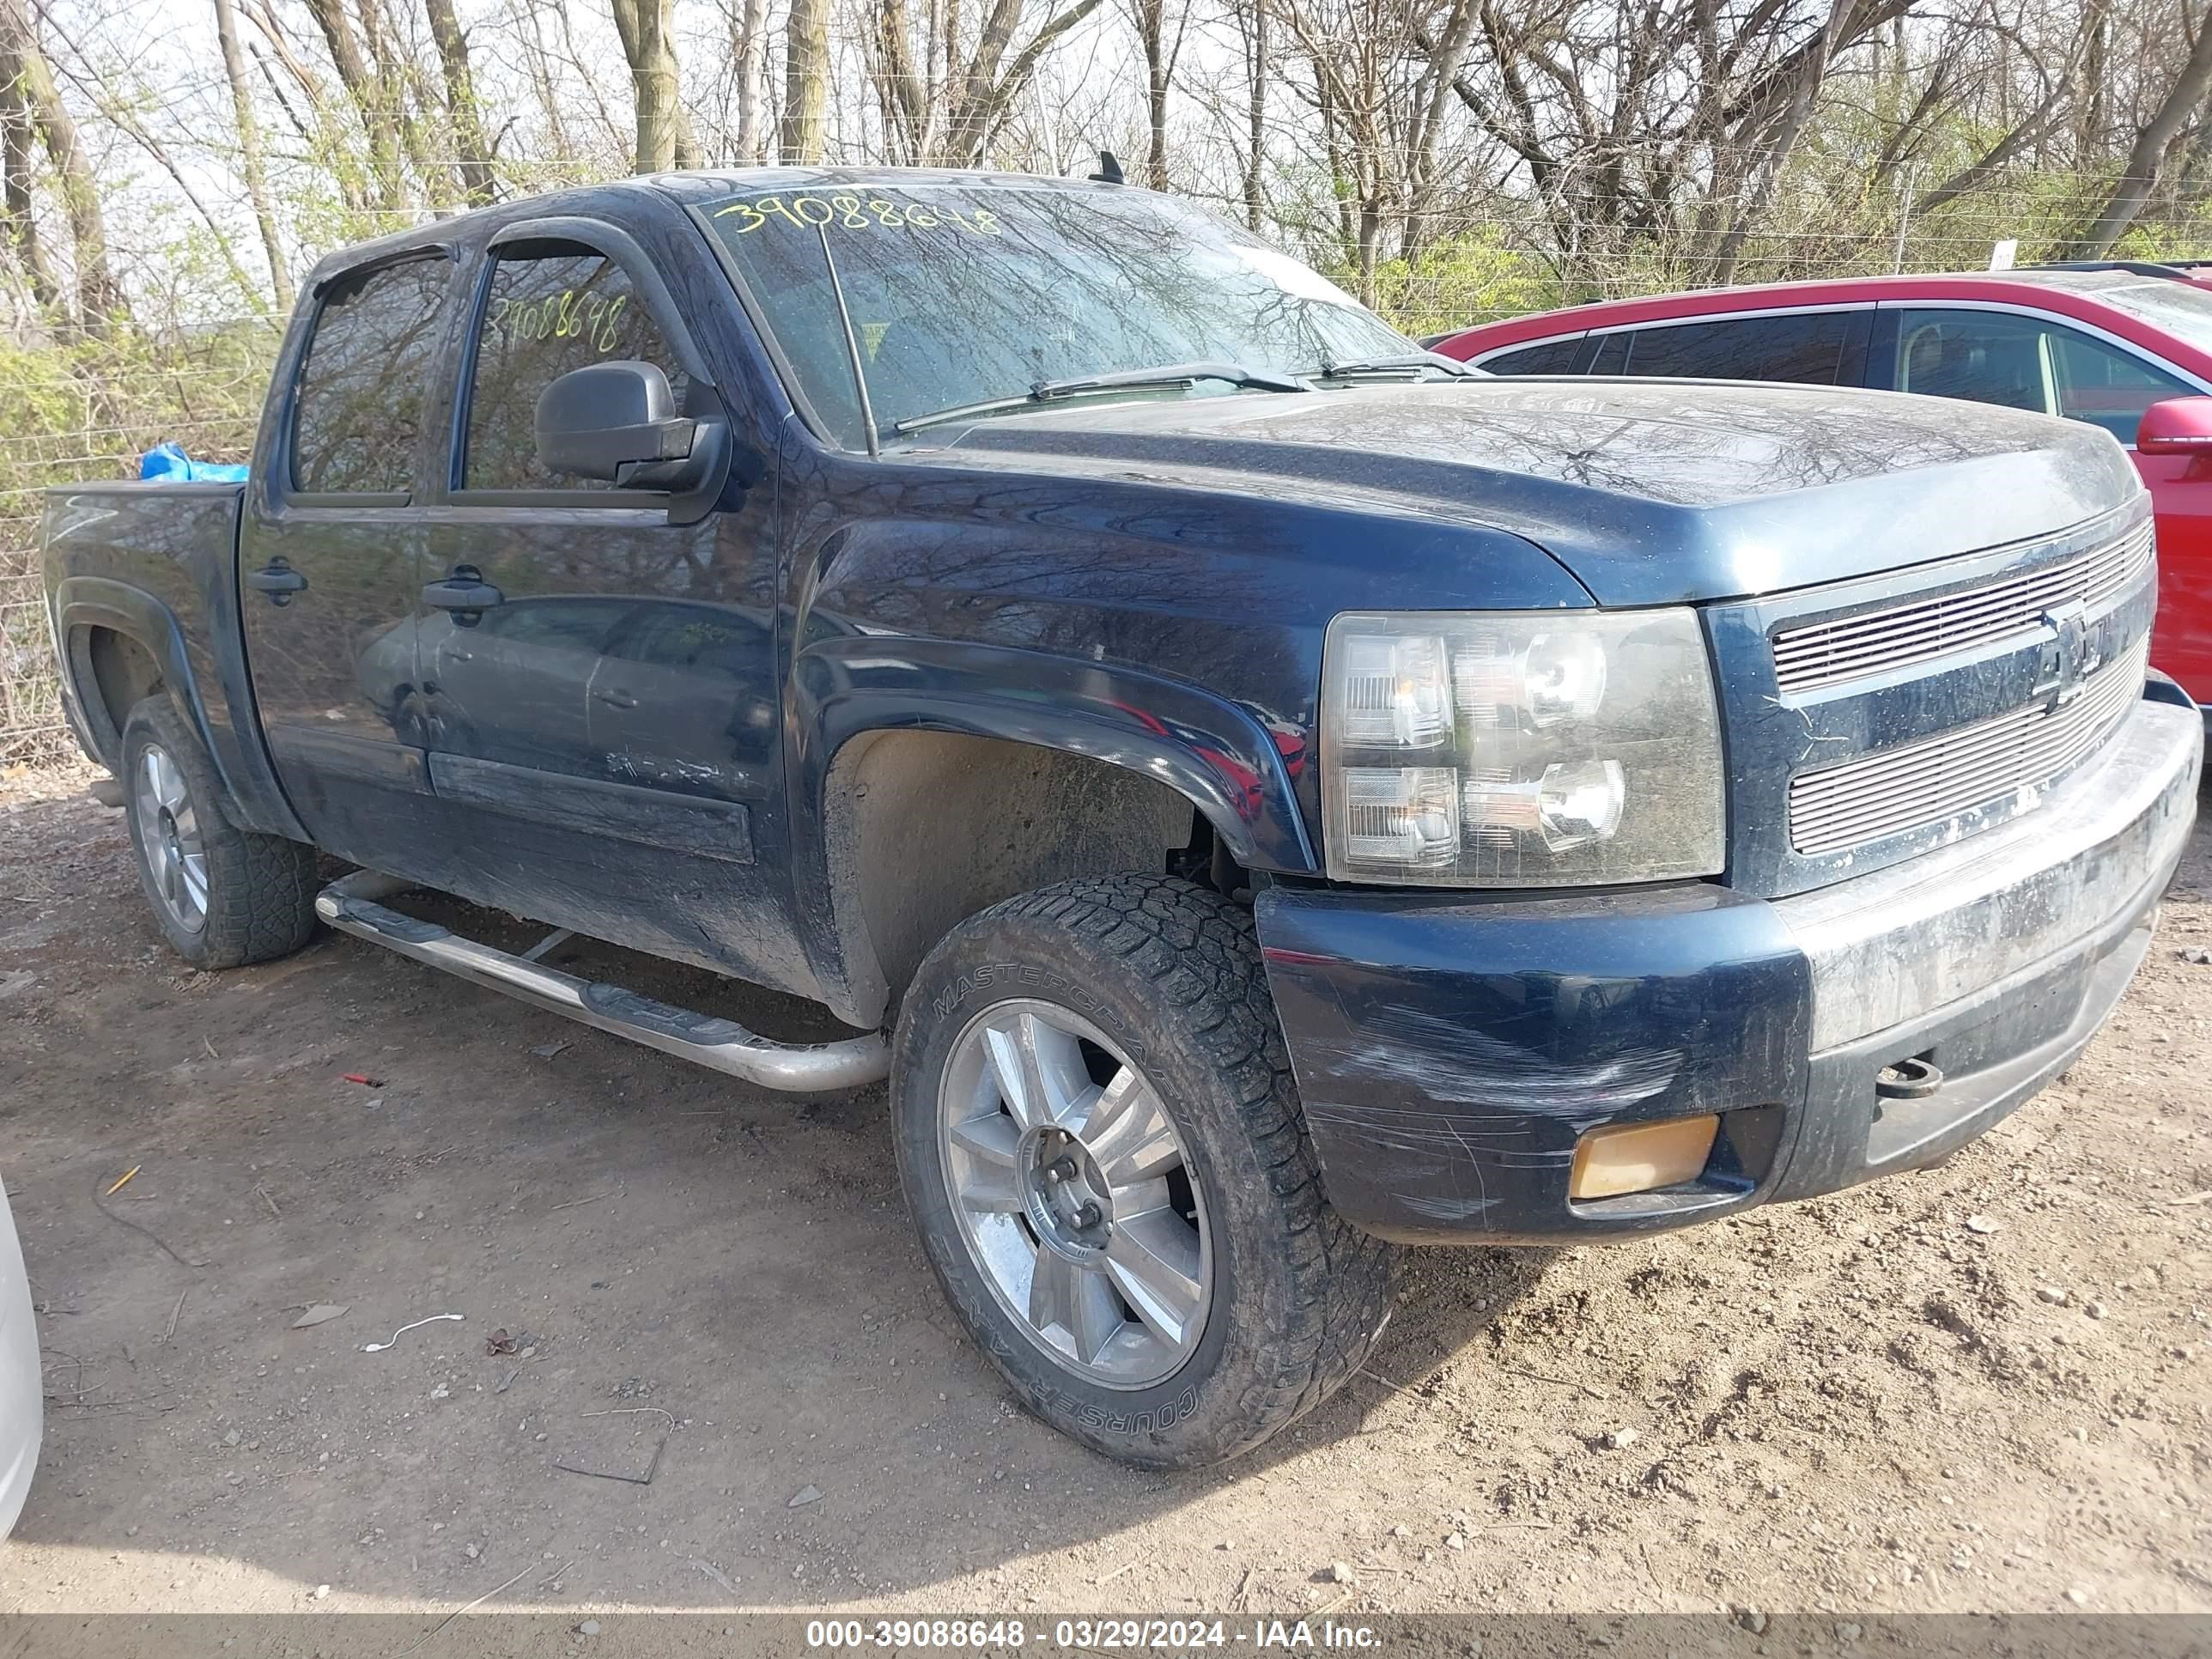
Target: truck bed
(113, 550)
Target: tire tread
(1199, 953)
(261, 887)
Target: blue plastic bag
(166, 464)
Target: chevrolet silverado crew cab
(1261, 795)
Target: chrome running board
(350, 905)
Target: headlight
(1520, 750)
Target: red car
(2129, 352)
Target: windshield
(2180, 309)
(964, 294)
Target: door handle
(616, 699)
(277, 579)
(466, 593)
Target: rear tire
(1136, 1009)
(224, 897)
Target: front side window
(551, 306)
(2106, 386)
(1809, 347)
(963, 294)
(373, 354)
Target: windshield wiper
(1120, 380)
(1267, 380)
(1395, 367)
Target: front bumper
(1451, 1050)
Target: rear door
(330, 556)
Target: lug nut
(1087, 1216)
(1060, 1169)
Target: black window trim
(1594, 339)
(1729, 315)
(1883, 350)
(781, 372)
(1483, 360)
(286, 435)
(610, 242)
(1852, 361)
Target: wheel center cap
(1063, 1193)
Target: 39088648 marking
(1094, 1634)
(899, 1634)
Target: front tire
(1102, 1146)
(224, 897)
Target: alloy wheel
(1074, 1194)
(169, 831)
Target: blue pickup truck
(1262, 795)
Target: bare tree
(472, 163)
(1160, 27)
(1252, 32)
(647, 28)
(23, 67)
(2183, 94)
(364, 88)
(18, 143)
(749, 47)
(805, 83)
(249, 150)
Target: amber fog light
(1634, 1157)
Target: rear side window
(1809, 347)
(370, 363)
(1548, 357)
(552, 307)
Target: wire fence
(88, 409)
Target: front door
(330, 562)
(601, 716)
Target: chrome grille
(1937, 778)
(1875, 641)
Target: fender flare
(81, 602)
(1216, 754)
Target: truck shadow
(702, 1362)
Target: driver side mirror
(2179, 425)
(618, 421)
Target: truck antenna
(1109, 169)
(852, 346)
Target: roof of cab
(686, 189)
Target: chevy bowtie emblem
(2075, 651)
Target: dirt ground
(1983, 1387)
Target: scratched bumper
(1450, 1049)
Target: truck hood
(1649, 492)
